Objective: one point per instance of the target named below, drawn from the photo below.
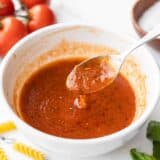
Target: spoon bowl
(93, 74)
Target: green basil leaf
(156, 150)
(153, 131)
(136, 155)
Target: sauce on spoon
(91, 76)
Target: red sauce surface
(47, 104)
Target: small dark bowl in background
(138, 9)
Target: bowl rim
(117, 135)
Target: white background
(114, 15)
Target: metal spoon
(98, 72)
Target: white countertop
(114, 15)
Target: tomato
(40, 16)
(6, 7)
(11, 31)
(31, 3)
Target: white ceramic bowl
(44, 40)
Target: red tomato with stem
(40, 16)
(31, 3)
(6, 7)
(11, 31)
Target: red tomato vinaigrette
(45, 103)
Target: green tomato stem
(1, 25)
(25, 10)
(25, 17)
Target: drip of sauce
(46, 104)
(81, 102)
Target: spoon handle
(148, 37)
